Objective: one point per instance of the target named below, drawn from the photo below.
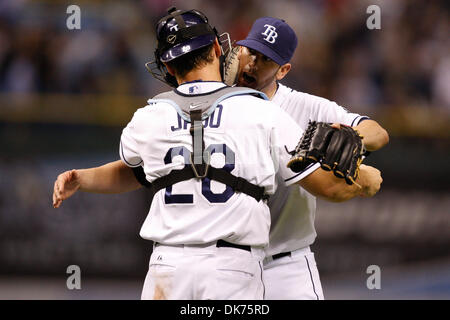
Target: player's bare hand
(370, 180)
(239, 54)
(65, 186)
(336, 125)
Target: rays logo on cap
(273, 38)
(270, 33)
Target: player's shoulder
(150, 115)
(306, 100)
(155, 105)
(285, 91)
(251, 103)
(299, 95)
(250, 111)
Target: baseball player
(290, 270)
(210, 171)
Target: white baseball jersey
(245, 136)
(292, 224)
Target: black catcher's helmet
(179, 33)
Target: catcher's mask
(179, 33)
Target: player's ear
(217, 50)
(283, 71)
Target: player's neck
(270, 90)
(209, 72)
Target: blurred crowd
(406, 62)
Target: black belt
(280, 255)
(223, 243)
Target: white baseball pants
(292, 277)
(204, 272)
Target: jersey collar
(199, 87)
(276, 91)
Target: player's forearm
(114, 177)
(334, 189)
(325, 185)
(340, 191)
(375, 137)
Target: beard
(252, 81)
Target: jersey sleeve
(304, 107)
(325, 110)
(286, 134)
(129, 152)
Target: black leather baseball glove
(340, 150)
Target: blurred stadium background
(66, 95)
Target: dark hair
(192, 60)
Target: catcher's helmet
(182, 32)
(179, 33)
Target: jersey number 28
(206, 183)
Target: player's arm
(321, 109)
(113, 177)
(374, 136)
(325, 185)
(321, 183)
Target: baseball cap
(175, 40)
(272, 37)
